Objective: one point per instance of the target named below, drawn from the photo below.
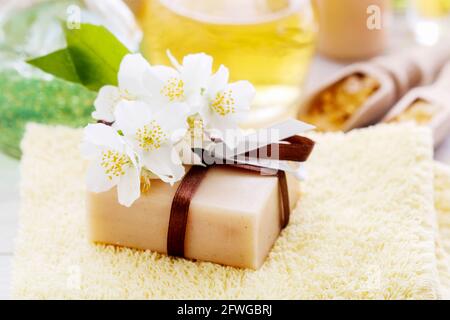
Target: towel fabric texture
(373, 222)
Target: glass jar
(268, 42)
(352, 30)
(430, 20)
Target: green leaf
(59, 64)
(92, 57)
(96, 54)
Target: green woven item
(25, 100)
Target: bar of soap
(234, 217)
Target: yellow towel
(365, 228)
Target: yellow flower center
(150, 136)
(126, 95)
(114, 163)
(224, 103)
(196, 127)
(173, 89)
(146, 181)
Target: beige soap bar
(234, 218)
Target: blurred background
(286, 48)
(281, 46)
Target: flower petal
(173, 119)
(96, 179)
(105, 103)
(89, 150)
(130, 151)
(173, 61)
(129, 187)
(132, 115)
(197, 69)
(243, 93)
(196, 102)
(164, 73)
(155, 79)
(165, 163)
(102, 135)
(130, 75)
(218, 81)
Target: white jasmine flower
(158, 111)
(221, 105)
(130, 87)
(113, 163)
(227, 104)
(185, 83)
(153, 133)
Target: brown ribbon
(295, 148)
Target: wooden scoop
(428, 105)
(396, 74)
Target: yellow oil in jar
(433, 8)
(267, 42)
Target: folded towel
(365, 228)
